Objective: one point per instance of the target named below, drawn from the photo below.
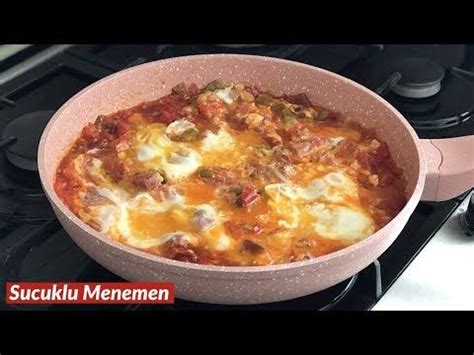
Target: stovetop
(34, 247)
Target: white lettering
(35, 295)
(93, 294)
(126, 294)
(14, 293)
(163, 295)
(54, 293)
(139, 295)
(153, 294)
(105, 295)
(98, 294)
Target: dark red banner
(89, 292)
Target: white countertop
(441, 277)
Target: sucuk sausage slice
(248, 196)
(217, 176)
(237, 229)
(148, 180)
(179, 248)
(252, 247)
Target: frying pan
(436, 169)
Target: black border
(194, 22)
(384, 332)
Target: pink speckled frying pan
(435, 170)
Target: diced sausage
(179, 248)
(210, 106)
(334, 119)
(69, 172)
(113, 126)
(347, 149)
(260, 172)
(193, 89)
(91, 134)
(248, 196)
(148, 180)
(385, 179)
(185, 91)
(217, 176)
(273, 139)
(382, 152)
(165, 110)
(252, 247)
(376, 159)
(114, 168)
(237, 229)
(164, 193)
(93, 198)
(298, 99)
(253, 90)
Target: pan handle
(450, 164)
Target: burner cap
(27, 130)
(421, 77)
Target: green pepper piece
(205, 173)
(287, 115)
(263, 151)
(263, 99)
(189, 135)
(321, 116)
(237, 189)
(278, 107)
(214, 85)
(178, 89)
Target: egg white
(225, 95)
(340, 222)
(318, 200)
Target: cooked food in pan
(230, 175)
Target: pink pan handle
(450, 167)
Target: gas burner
(450, 107)
(435, 102)
(24, 134)
(22, 199)
(420, 77)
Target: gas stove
(432, 86)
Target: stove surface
(34, 247)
